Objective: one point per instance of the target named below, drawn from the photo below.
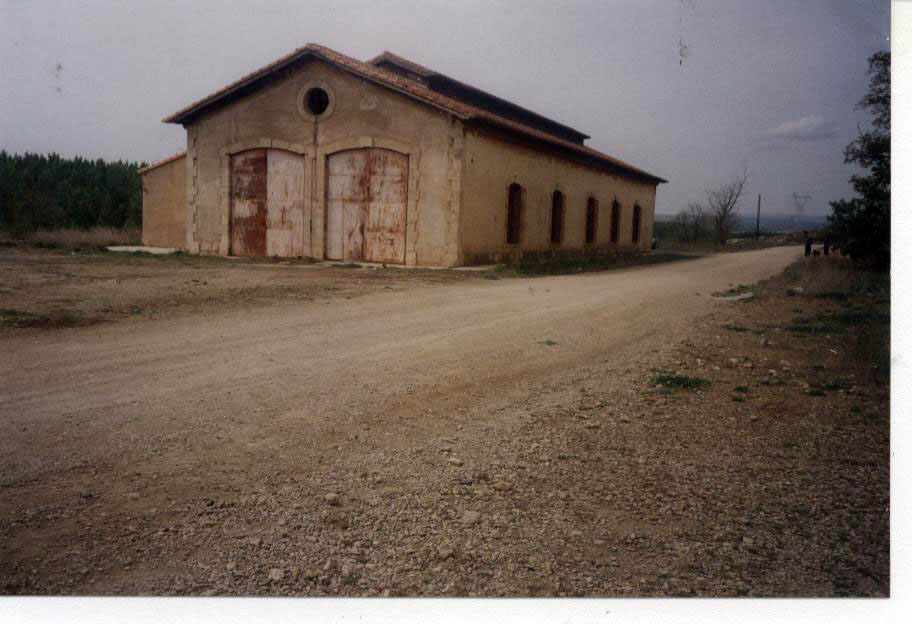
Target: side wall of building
(361, 114)
(492, 164)
(164, 207)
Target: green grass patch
(679, 382)
(346, 265)
(736, 328)
(568, 266)
(58, 319)
(742, 389)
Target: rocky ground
(748, 458)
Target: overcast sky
(686, 89)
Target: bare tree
(682, 221)
(723, 206)
(697, 219)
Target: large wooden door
(385, 237)
(267, 203)
(248, 203)
(284, 204)
(366, 205)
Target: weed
(680, 382)
(816, 392)
(347, 265)
(736, 328)
(349, 579)
(549, 343)
(738, 398)
(742, 389)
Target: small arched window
(514, 213)
(557, 217)
(615, 220)
(591, 220)
(635, 236)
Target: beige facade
(363, 115)
(492, 164)
(451, 172)
(164, 221)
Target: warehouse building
(324, 156)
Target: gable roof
(414, 89)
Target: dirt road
(304, 362)
(121, 444)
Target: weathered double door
(267, 203)
(366, 205)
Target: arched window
(557, 217)
(514, 213)
(635, 237)
(591, 220)
(615, 220)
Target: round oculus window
(316, 100)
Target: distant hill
(771, 222)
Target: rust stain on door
(366, 204)
(267, 203)
(284, 204)
(248, 203)
(385, 236)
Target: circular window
(317, 101)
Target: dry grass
(858, 310)
(836, 277)
(72, 238)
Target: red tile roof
(410, 88)
(161, 162)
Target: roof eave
(579, 152)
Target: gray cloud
(808, 128)
(683, 89)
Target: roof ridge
(426, 72)
(404, 85)
(386, 55)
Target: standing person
(807, 243)
(826, 246)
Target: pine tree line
(38, 191)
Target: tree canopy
(38, 191)
(861, 225)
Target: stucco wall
(363, 115)
(164, 221)
(492, 164)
